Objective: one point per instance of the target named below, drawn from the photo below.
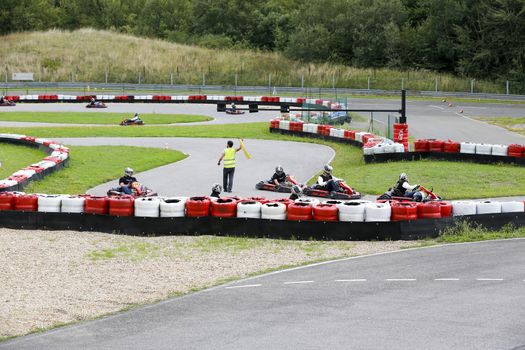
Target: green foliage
(464, 231)
(16, 157)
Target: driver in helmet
(93, 101)
(403, 189)
(135, 118)
(233, 107)
(126, 181)
(279, 177)
(326, 181)
(216, 191)
(297, 192)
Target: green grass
(97, 117)
(516, 125)
(467, 232)
(134, 251)
(157, 61)
(16, 157)
(91, 166)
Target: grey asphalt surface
(196, 174)
(466, 296)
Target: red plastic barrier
(451, 146)
(429, 210)
(18, 178)
(404, 211)
(299, 211)
(421, 145)
(326, 212)
(446, 209)
(261, 200)
(435, 145)
(26, 202)
(366, 137)
(121, 205)
(197, 98)
(274, 124)
(324, 130)
(198, 206)
(28, 138)
(7, 201)
(53, 159)
(285, 201)
(13, 98)
(121, 98)
(515, 150)
(84, 98)
(224, 208)
(296, 126)
(96, 205)
(350, 134)
(300, 100)
(37, 169)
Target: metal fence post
(302, 81)
(171, 79)
(436, 87)
(472, 86)
(402, 83)
(508, 87)
(369, 82)
(108, 74)
(139, 77)
(203, 79)
(270, 83)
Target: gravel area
(53, 277)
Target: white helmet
(403, 176)
(128, 171)
(216, 188)
(327, 168)
(279, 169)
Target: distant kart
(285, 187)
(127, 122)
(7, 103)
(137, 190)
(345, 192)
(424, 196)
(234, 111)
(97, 105)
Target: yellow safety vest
(229, 157)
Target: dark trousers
(227, 179)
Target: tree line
(472, 38)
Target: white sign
(23, 76)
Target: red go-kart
(285, 187)
(345, 192)
(422, 195)
(7, 103)
(234, 111)
(137, 190)
(97, 104)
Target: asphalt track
(466, 296)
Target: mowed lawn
(16, 157)
(510, 123)
(98, 117)
(450, 180)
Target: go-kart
(128, 121)
(234, 111)
(422, 195)
(97, 104)
(137, 190)
(285, 187)
(7, 103)
(345, 192)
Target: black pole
(403, 119)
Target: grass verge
(16, 157)
(451, 180)
(98, 117)
(516, 125)
(91, 166)
(465, 231)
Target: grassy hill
(86, 54)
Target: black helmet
(279, 169)
(296, 189)
(216, 188)
(328, 169)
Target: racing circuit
(471, 295)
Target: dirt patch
(53, 277)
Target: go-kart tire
(72, 204)
(488, 207)
(49, 203)
(224, 208)
(173, 207)
(273, 210)
(512, 207)
(404, 211)
(198, 206)
(249, 209)
(352, 211)
(375, 212)
(311, 201)
(300, 211)
(325, 212)
(147, 207)
(460, 208)
(429, 210)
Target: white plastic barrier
(460, 208)
(399, 147)
(389, 148)
(49, 203)
(284, 125)
(249, 209)
(368, 151)
(7, 183)
(274, 211)
(147, 207)
(482, 148)
(359, 136)
(46, 164)
(377, 212)
(500, 150)
(72, 204)
(488, 207)
(512, 207)
(352, 211)
(467, 147)
(24, 172)
(173, 207)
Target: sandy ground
(53, 277)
